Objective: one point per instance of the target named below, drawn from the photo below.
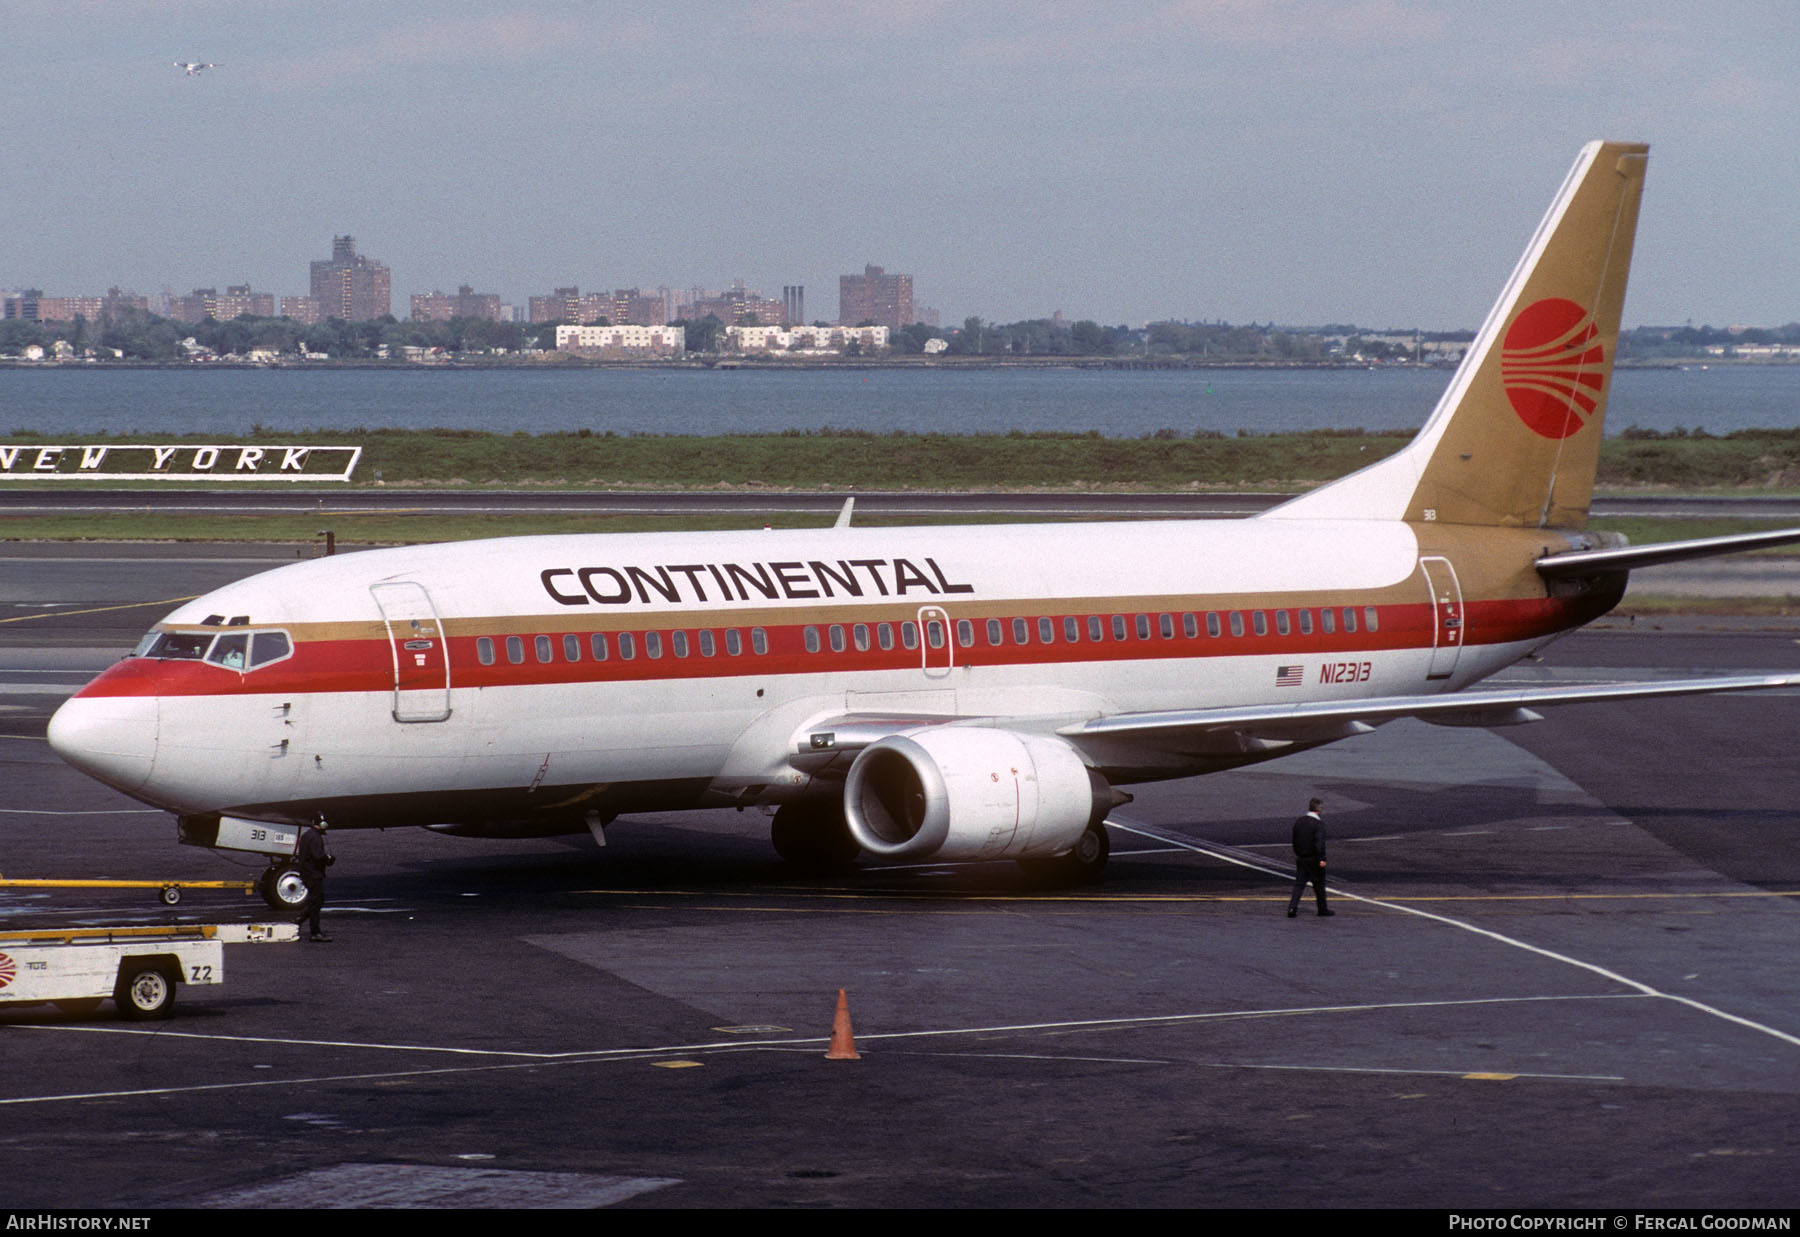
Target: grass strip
(823, 459)
(862, 460)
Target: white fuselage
(460, 681)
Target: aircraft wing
(1320, 721)
(1625, 558)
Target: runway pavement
(1561, 975)
(1062, 504)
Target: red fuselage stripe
(328, 666)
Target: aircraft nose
(109, 738)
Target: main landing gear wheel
(1083, 864)
(285, 887)
(144, 991)
(813, 837)
(1087, 861)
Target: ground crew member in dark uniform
(1309, 858)
(312, 860)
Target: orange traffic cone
(843, 1043)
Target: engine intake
(967, 792)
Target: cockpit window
(230, 650)
(234, 650)
(180, 645)
(269, 646)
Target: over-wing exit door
(936, 650)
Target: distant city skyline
(625, 305)
(357, 287)
(1303, 161)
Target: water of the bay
(1116, 403)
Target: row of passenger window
(860, 634)
(1095, 628)
(625, 645)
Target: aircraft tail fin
(1515, 440)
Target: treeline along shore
(849, 460)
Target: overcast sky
(1378, 162)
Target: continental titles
(796, 580)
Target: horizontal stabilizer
(1626, 558)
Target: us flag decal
(1288, 676)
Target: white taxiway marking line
(1282, 846)
(1037, 1056)
(1303, 1069)
(300, 1043)
(105, 811)
(661, 1049)
(1226, 1014)
(1430, 1073)
(948, 864)
(1593, 968)
(269, 1082)
(814, 1042)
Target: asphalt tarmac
(1561, 975)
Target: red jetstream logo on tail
(1551, 366)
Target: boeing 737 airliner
(956, 692)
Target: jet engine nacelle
(964, 792)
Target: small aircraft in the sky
(194, 67)
(934, 693)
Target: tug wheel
(144, 991)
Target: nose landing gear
(284, 886)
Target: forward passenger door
(421, 654)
